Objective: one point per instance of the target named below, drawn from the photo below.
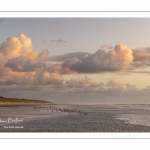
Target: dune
(16, 101)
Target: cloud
(106, 46)
(142, 71)
(43, 54)
(57, 68)
(23, 80)
(139, 64)
(59, 41)
(138, 61)
(22, 64)
(14, 47)
(45, 78)
(1, 62)
(113, 83)
(37, 77)
(101, 61)
(64, 57)
(27, 73)
(141, 59)
(18, 54)
(18, 59)
(141, 55)
(79, 95)
(81, 82)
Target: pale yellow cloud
(122, 55)
(19, 61)
(17, 46)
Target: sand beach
(75, 118)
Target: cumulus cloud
(14, 47)
(141, 60)
(57, 68)
(18, 54)
(101, 61)
(110, 62)
(46, 78)
(24, 72)
(38, 77)
(22, 64)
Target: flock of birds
(54, 108)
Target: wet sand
(98, 119)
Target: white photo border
(71, 14)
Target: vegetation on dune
(17, 100)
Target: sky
(75, 60)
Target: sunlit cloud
(22, 65)
(102, 61)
